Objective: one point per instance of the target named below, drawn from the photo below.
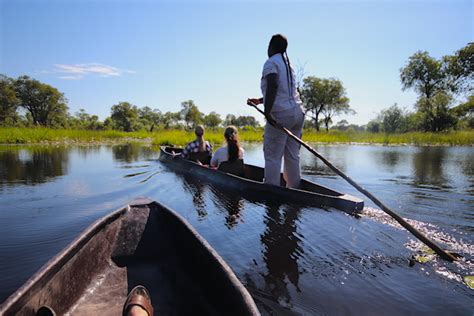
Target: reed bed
(215, 136)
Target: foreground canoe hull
(310, 193)
(144, 243)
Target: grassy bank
(180, 137)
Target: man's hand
(251, 101)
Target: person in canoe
(283, 106)
(198, 150)
(230, 157)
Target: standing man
(284, 107)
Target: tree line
(28, 102)
(438, 82)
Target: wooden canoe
(143, 243)
(309, 193)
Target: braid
(289, 69)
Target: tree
(84, 120)
(45, 103)
(8, 101)
(212, 120)
(465, 113)
(230, 119)
(436, 81)
(393, 119)
(424, 74)
(317, 94)
(435, 114)
(459, 70)
(149, 117)
(342, 125)
(373, 126)
(170, 118)
(246, 120)
(125, 117)
(191, 114)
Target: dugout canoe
(143, 243)
(309, 192)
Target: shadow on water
(32, 165)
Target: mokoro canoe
(309, 192)
(143, 243)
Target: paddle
(441, 252)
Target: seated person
(230, 153)
(199, 149)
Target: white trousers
(277, 144)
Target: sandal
(138, 296)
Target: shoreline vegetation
(215, 136)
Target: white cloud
(78, 71)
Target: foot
(138, 302)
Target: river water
(292, 259)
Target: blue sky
(159, 54)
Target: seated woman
(231, 155)
(199, 149)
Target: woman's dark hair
(233, 145)
(279, 44)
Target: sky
(161, 53)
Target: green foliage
(125, 117)
(465, 113)
(374, 126)
(191, 114)
(423, 73)
(393, 120)
(459, 70)
(436, 81)
(212, 120)
(46, 105)
(8, 102)
(435, 115)
(241, 121)
(324, 96)
(182, 137)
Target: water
(293, 259)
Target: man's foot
(138, 303)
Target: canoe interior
(143, 244)
(308, 192)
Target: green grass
(180, 137)
(48, 135)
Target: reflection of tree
(428, 166)
(229, 201)
(281, 249)
(390, 158)
(132, 152)
(31, 165)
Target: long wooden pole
(441, 252)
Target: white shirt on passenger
(287, 96)
(222, 154)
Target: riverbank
(180, 137)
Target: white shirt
(287, 96)
(222, 154)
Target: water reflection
(428, 166)
(197, 191)
(32, 165)
(230, 202)
(281, 250)
(337, 155)
(389, 158)
(132, 152)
